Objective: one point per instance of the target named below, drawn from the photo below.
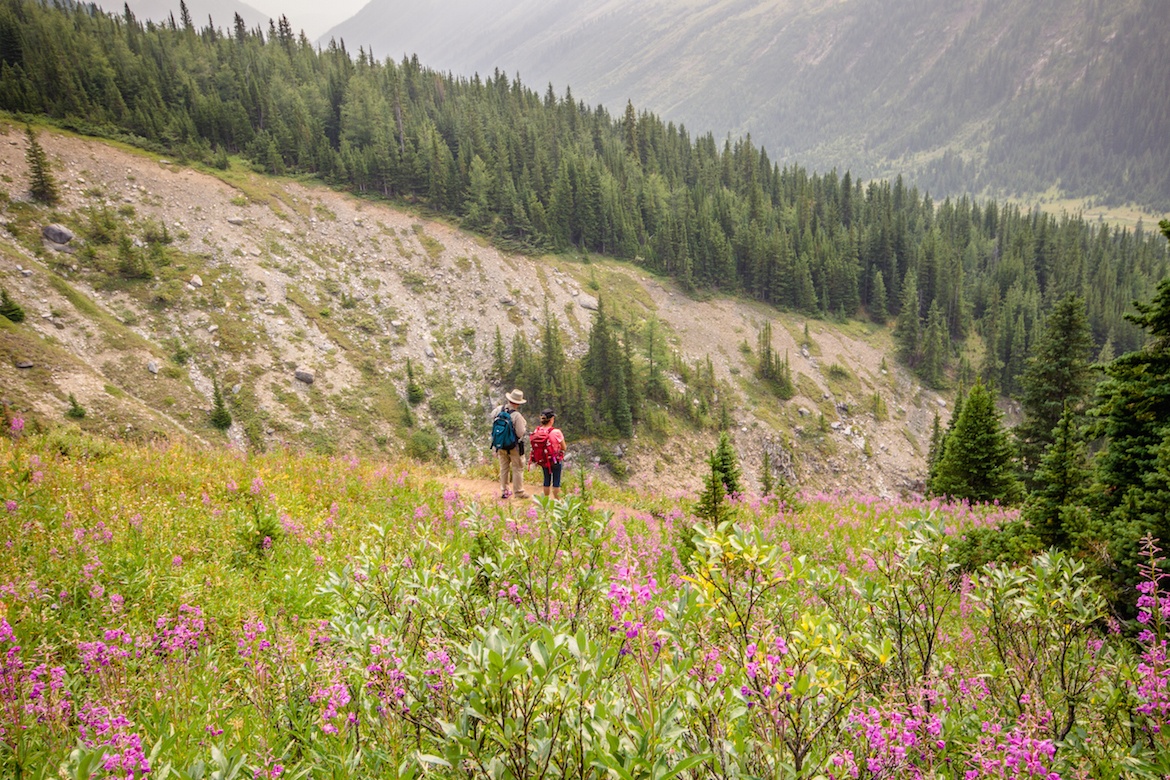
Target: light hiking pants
(511, 468)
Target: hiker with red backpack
(548, 451)
(508, 431)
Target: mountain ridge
(960, 97)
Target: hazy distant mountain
(961, 94)
(221, 12)
(310, 15)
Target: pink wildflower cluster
(1152, 681)
(1152, 678)
(897, 743)
(1014, 754)
(106, 653)
(333, 698)
(440, 668)
(709, 668)
(764, 667)
(629, 595)
(386, 679)
(126, 757)
(253, 645)
(38, 693)
(509, 591)
(182, 636)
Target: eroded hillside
(268, 283)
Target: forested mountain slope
(332, 324)
(963, 97)
(543, 172)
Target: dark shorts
(552, 475)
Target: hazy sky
(313, 16)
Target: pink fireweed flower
(100, 727)
(181, 636)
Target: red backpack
(548, 446)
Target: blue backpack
(503, 431)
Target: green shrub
(1013, 544)
(423, 445)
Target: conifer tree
(710, 504)
(41, 184)
(9, 308)
(934, 347)
(1062, 481)
(620, 413)
(1057, 379)
(726, 463)
(976, 461)
(1132, 486)
(499, 357)
(936, 442)
(1133, 404)
(220, 417)
(414, 391)
(552, 349)
(878, 309)
(75, 411)
(656, 386)
(908, 329)
(767, 479)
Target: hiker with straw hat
(508, 431)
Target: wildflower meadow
(173, 612)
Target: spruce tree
(220, 417)
(1132, 486)
(767, 480)
(935, 343)
(1134, 404)
(499, 358)
(936, 443)
(9, 308)
(656, 387)
(976, 461)
(710, 504)
(726, 463)
(75, 411)
(908, 329)
(414, 391)
(1057, 379)
(1062, 481)
(879, 311)
(41, 184)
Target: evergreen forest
(548, 173)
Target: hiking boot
(522, 494)
(506, 494)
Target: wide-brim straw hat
(515, 397)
